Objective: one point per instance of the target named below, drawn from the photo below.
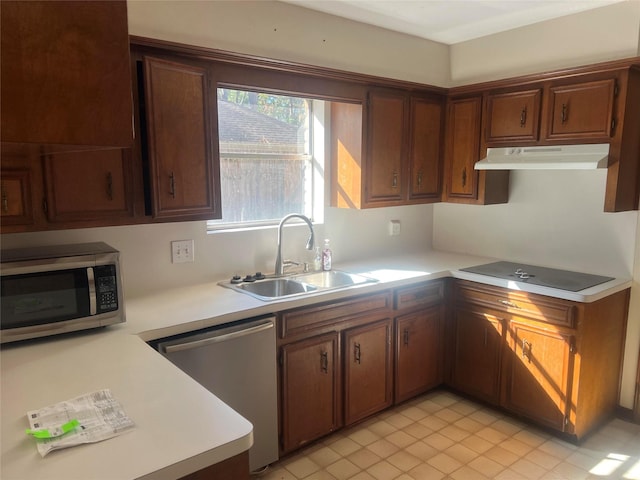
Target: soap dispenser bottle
(326, 256)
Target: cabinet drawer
(538, 307)
(305, 319)
(422, 295)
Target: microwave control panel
(106, 288)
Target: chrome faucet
(279, 263)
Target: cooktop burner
(542, 276)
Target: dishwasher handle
(216, 337)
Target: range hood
(560, 157)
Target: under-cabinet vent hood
(560, 157)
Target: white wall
(598, 35)
(553, 218)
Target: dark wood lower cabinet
(310, 393)
(476, 354)
(538, 369)
(419, 361)
(234, 468)
(368, 371)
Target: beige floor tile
(302, 467)
(528, 469)
(321, 475)
(477, 444)
(444, 463)
(343, 469)
(557, 448)
(383, 471)
(531, 437)
(421, 450)
(429, 406)
(363, 476)
(454, 433)
(516, 446)
(324, 456)
(364, 436)
(413, 412)
(382, 448)
(464, 407)
(545, 460)
(509, 474)
(277, 474)
(445, 398)
(399, 421)
(468, 473)
(448, 415)
(500, 455)
(507, 426)
(461, 453)
(364, 458)
(425, 471)
(432, 422)
(438, 441)
(417, 430)
(486, 466)
(484, 417)
(382, 428)
(345, 446)
(469, 424)
(400, 439)
(403, 461)
(492, 435)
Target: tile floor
(443, 436)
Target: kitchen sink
(275, 287)
(280, 287)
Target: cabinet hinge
(566, 420)
(615, 88)
(572, 347)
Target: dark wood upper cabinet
(581, 111)
(180, 116)
(425, 153)
(513, 117)
(66, 80)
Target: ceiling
(450, 21)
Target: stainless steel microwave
(58, 289)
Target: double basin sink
(281, 287)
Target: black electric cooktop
(542, 276)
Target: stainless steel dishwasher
(237, 363)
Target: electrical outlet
(394, 227)
(182, 251)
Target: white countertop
(180, 426)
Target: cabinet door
(386, 148)
(463, 147)
(477, 351)
(92, 185)
(538, 373)
(418, 353)
(581, 111)
(184, 178)
(367, 367)
(310, 396)
(16, 197)
(425, 154)
(513, 117)
(65, 73)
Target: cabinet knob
(394, 180)
(526, 349)
(419, 179)
(405, 335)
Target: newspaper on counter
(100, 415)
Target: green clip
(56, 432)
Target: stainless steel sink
(271, 289)
(333, 279)
(274, 288)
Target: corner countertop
(168, 407)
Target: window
(268, 164)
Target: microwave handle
(93, 309)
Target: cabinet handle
(419, 179)
(523, 117)
(356, 352)
(394, 181)
(405, 337)
(109, 186)
(172, 185)
(564, 114)
(324, 362)
(5, 200)
(526, 349)
(507, 303)
(464, 177)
